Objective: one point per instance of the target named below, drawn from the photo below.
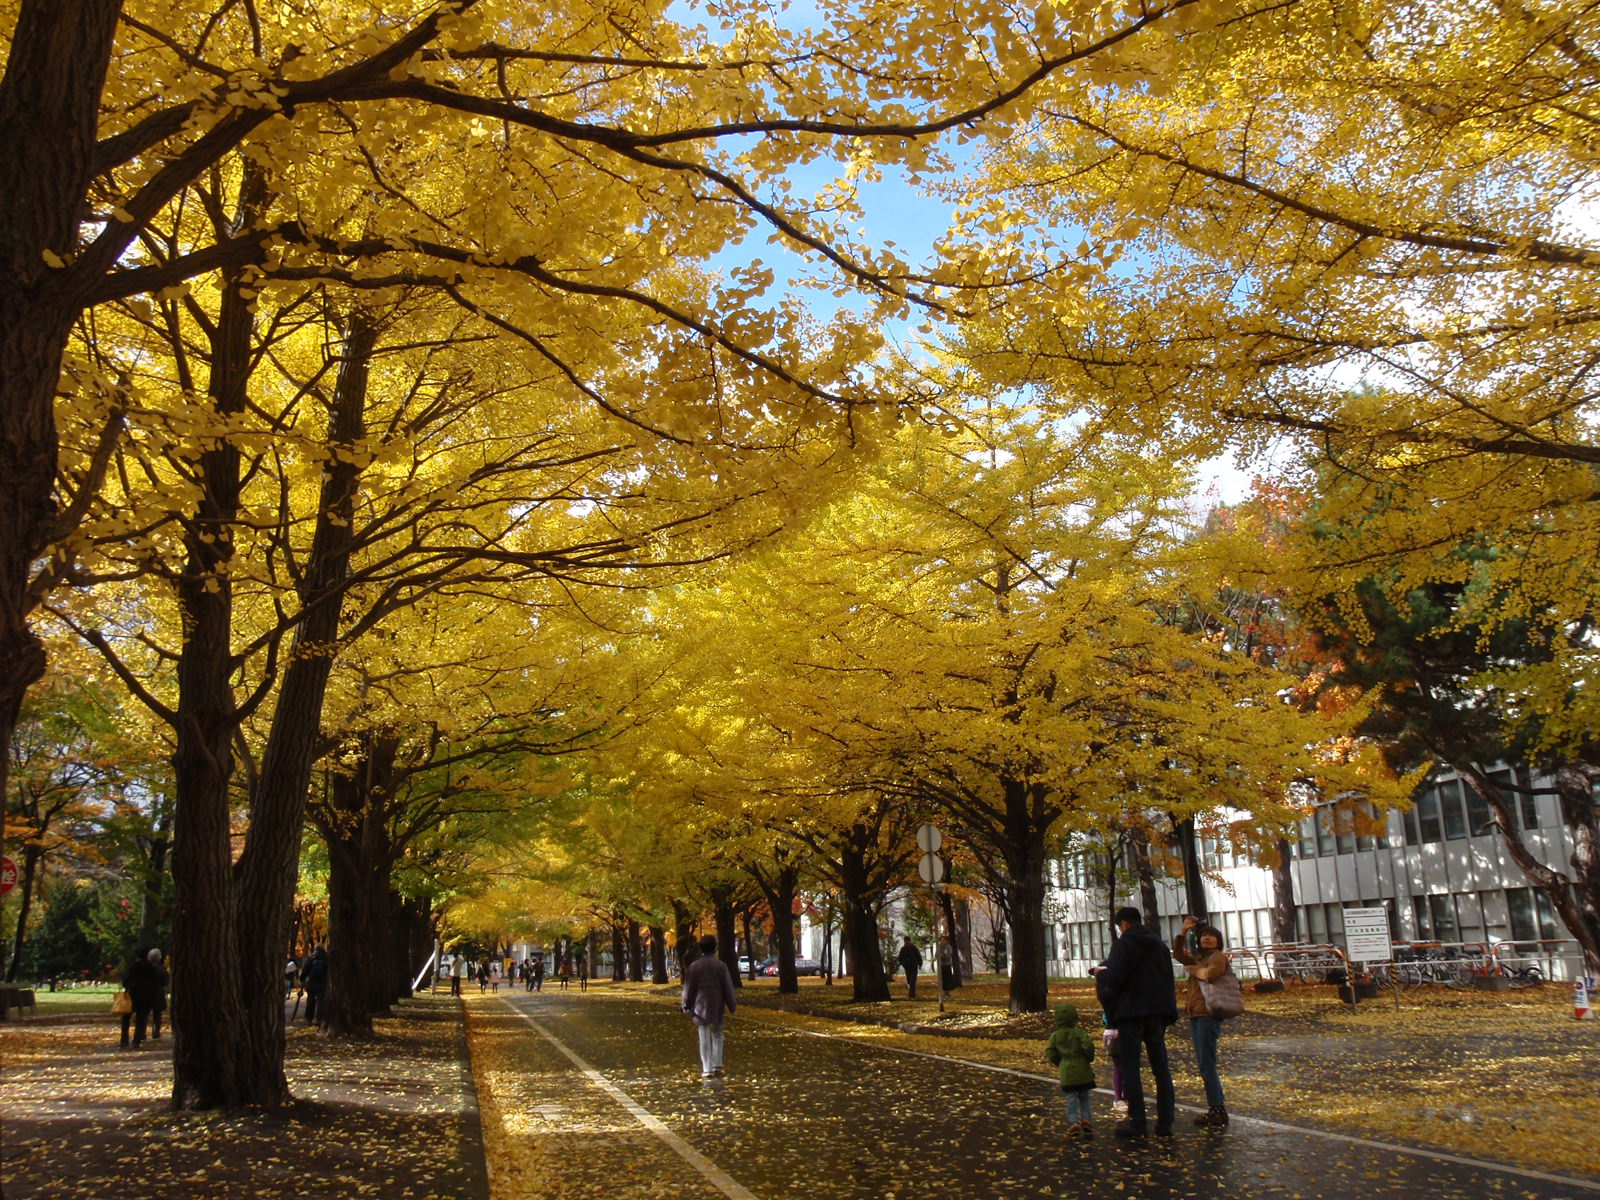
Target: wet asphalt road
(801, 1117)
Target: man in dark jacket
(1137, 990)
(910, 959)
(314, 978)
(146, 983)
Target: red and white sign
(8, 875)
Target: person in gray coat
(708, 997)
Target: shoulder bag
(121, 1005)
(1224, 997)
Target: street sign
(929, 839)
(931, 868)
(1366, 935)
(8, 875)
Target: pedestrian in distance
(145, 982)
(536, 974)
(291, 975)
(1140, 994)
(708, 997)
(160, 1008)
(1071, 1051)
(314, 979)
(483, 976)
(457, 965)
(1204, 960)
(910, 960)
(564, 971)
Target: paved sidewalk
(393, 1118)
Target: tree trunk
(344, 1004)
(683, 948)
(49, 111)
(359, 862)
(619, 950)
(1149, 897)
(859, 921)
(1285, 919)
(1577, 898)
(1030, 983)
(218, 1058)
(778, 887)
(635, 952)
(31, 855)
(953, 937)
(1194, 884)
(727, 933)
(269, 867)
(155, 871)
(658, 955)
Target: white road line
(1277, 1126)
(714, 1174)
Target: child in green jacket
(1071, 1050)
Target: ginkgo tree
(986, 628)
(1362, 250)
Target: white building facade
(1441, 870)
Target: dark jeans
(313, 1001)
(911, 981)
(1206, 1031)
(1147, 1035)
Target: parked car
(802, 966)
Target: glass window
(1430, 827)
(1335, 915)
(1443, 911)
(1480, 817)
(1231, 929)
(1325, 843)
(1469, 916)
(1345, 826)
(1519, 905)
(1409, 818)
(1524, 804)
(1264, 926)
(1316, 924)
(1424, 918)
(1455, 820)
(1307, 845)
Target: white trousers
(710, 1048)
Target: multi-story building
(1441, 869)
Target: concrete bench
(15, 999)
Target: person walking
(160, 1006)
(1137, 986)
(314, 979)
(1205, 962)
(708, 997)
(1071, 1051)
(457, 965)
(910, 960)
(536, 974)
(144, 981)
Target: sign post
(931, 868)
(1366, 940)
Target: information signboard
(1366, 935)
